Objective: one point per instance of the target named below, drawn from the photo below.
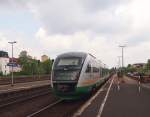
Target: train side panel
(89, 80)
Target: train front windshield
(69, 62)
(67, 68)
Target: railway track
(45, 108)
(23, 97)
(7, 80)
(37, 103)
(59, 108)
(28, 102)
(62, 108)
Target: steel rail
(44, 108)
(28, 97)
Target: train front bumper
(77, 93)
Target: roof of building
(4, 54)
(139, 64)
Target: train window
(88, 69)
(103, 72)
(69, 61)
(100, 72)
(95, 69)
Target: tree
(32, 66)
(23, 53)
(29, 65)
(1, 73)
(47, 66)
(147, 67)
(130, 68)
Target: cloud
(12, 4)
(92, 6)
(138, 53)
(78, 15)
(137, 13)
(68, 17)
(96, 26)
(3, 41)
(79, 41)
(23, 43)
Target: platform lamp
(12, 76)
(122, 48)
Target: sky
(98, 27)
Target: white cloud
(139, 53)
(22, 44)
(79, 41)
(3, 41)
(97, 27)
(73, 16)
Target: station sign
(12, 64)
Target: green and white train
(75, 74)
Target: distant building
(4, 60)
(44, 58)
(138, 65)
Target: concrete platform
(147, 85)
(22, 86)
(125, 101)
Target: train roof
(73, 54)
(78, 54)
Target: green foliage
(142, 70)
(1, 74)
(130, 69)
(112, 70)
(33, 67)
(23, 54)
(47, 66)
(147, 68)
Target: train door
(89, 71)
(100, 72)
(85, 78)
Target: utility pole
(119, 64)
(122, 47)
(122, 69)
(12, 76)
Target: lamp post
(12, 76)
(122, 48)
(119, 65)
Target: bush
(1, 74)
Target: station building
(4, 60)
(138, 65)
